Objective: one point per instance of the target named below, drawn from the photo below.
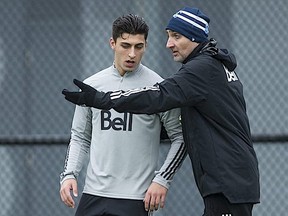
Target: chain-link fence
(44, 44)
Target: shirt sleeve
(78, 148)
(177, 151)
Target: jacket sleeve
(177, 151)
(184, 88)
(78, 148)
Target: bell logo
(117, 123)
(231, 76)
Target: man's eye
(177, 36)
(125, 46)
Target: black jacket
(215, 124)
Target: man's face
(128, 51)
(180, 46)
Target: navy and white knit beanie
(191, 23)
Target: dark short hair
(131, 24)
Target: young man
(123, 147)
(213, 114)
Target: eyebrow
(126, 43)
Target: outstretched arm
(148, 100)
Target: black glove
(84, 97)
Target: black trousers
(91, 205)
(219, 205)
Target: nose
(169, 43)
(132, 53)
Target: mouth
(174, 53)
(130, 63)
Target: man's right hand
(68, 186)
(84, 97)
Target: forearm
(79, 145)
(177, 151)
(75, 157)
(148, 100)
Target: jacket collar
(206, 46)
(195, 52)
(210, 48)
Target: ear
(112, 43)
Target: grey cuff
(69, 175)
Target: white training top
(123, 147)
